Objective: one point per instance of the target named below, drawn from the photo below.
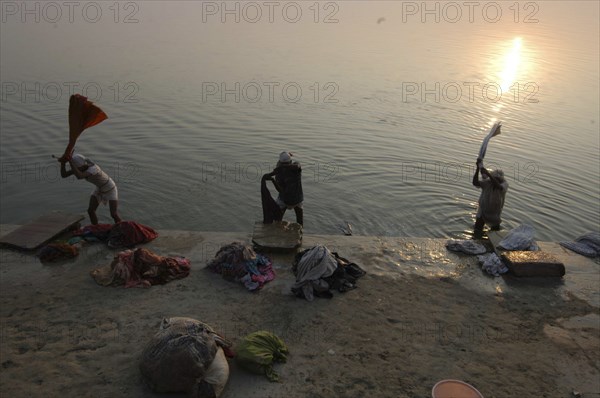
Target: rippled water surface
(385, 112)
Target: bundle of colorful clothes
(318, 271)
(141, 267)
(239, 262)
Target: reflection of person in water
(106, 189)
(288, 182)
(491, 201)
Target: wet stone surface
(279, 236)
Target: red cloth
(145, 268)
(82, 115)
(130, 233)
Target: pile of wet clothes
(141, 267)
(318, 271)
(57, 251)
(123, 234)
(240, 263)
(490, 262)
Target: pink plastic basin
(454, 389)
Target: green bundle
(257, 352)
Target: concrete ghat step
(380, 255)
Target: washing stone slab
(278, 236)
(34, 234)
(533, 263)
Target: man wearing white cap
(105, 191)
(491, 201)
(288, 182)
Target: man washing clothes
(287, 178)
(105, 191)
(491, 201)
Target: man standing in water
(491, 201)
(105, 191)
(288, 182)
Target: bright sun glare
(511, 64)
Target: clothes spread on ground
(258, 351)
(318, 270)
(492, 264)
(271, 211)
(239, 262)
(130, 233)
(57, 251)
(123, 234)
(141, 267)
(465, 246)
(587, 244)
(94, 233)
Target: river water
(385, 104)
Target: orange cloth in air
(82, 115)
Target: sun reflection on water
(508, 69)
(512, 62)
